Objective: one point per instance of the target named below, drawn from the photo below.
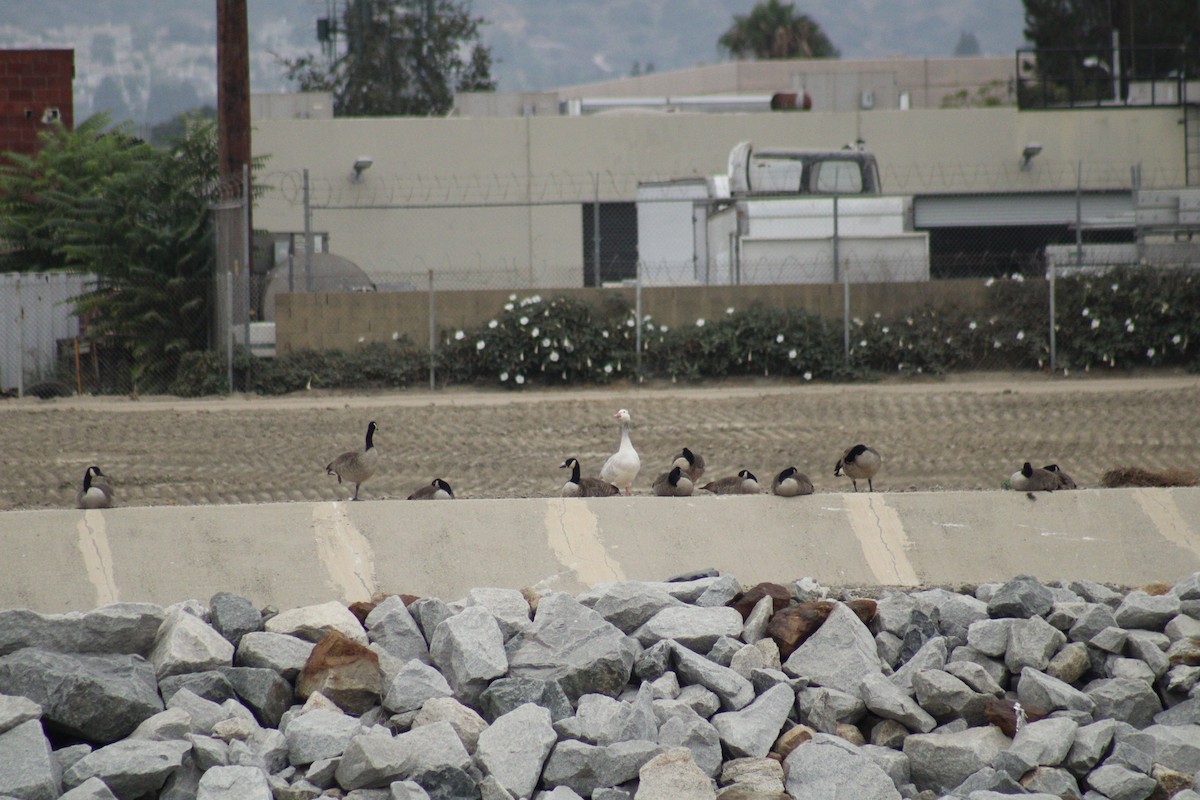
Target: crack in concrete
(97, 557)
(881, 536)
(573, 533)
(345, 553)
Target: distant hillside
(148, 61)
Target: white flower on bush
(808, 376)
(608, 369)
(989, 282)
(1115, 286)
(662, 329)
(1095, 323)
(1020, 336)
(554, 355)
(1129, 326)
(546, 342)
(459, 336)
(1176, 339)
(524, 320)
(480, 344)
(508, 306)
(995, 344)
(792, 353)
(512, 297)
(1018, 277)
(520, 379)
(700, 322)
(395, 336)
(1150, 353)
(863, 343)
(1086, 312)
(362, 339)
(604, 334)
(535, 332)
(779, 339)
(729, 310)
(629, 323)
(503, 376)
(493, 324)
(972, 326)
(884, 329)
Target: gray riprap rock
(822, 769)
(234, 783)
(1130, 668)
(508, 606)
(882, 697)
(888, 646)
(653, 661)
(209, 684)
(314, 623)
(990, 636)
(283, 653)
(15, 709)
(119, 628)
(186, 644)
(429, 612)
(629, 603)
(415, 683)
(932, 655)
(466, 723)
(723, 649)
(1023, 597)
(673, 775)
(753, 774)
(374, 760)
(1185, 713)
(233, 616)
(1069, 663)
(320, 733)
(994, 667)
(825, 709)
(955, 612)
(1045, 742)
(755, 626)
(1125, 700)
(1089, 746)
(839, 655)
(691, 626)
(91, 789)
(1094, 618)
(940, 693)
(720, 592)
(130, 768)
(599, 719)
(1151, 612)
(100, 698)
(696, 735)
(409, 790)
(393, 628)
(1095, 592)
(263, 691)
(893, 762)
(734, 691)
(1117, 783)
(564, 793)
(1038, 690)
(1182, 626)
(1063, 615)
(204, 713)
(941, 761)
(1110, 640)
(174, 723)
(507, 694)
(1145, 645)
(1032, 643)
(1176, 746)
(974, 676)
(573, 645)
(749, 658)
(751, 731)
(28, 769)
(693, 701)
(1054, 782)
(469, 650)
(208, 752)
(585, 767)
(515, 746)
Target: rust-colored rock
(864, 609)
(792, 626)
(344, 671)
(745, 601)
(850, 733)
(1002, 714)
(790, 739)
(361, 609)
(1170, 782)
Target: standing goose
(438, 490)
(622, 466)
(859, 463)
(742, 483)
(355, 467)
(584, 487)
(1065, 481)
(691, 463)
(1033, 479)
(675, 483)
(94, 494)
(791, 483)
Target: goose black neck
(87, 479)
(1027, 470)
(574, 471)
(370, 436)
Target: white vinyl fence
(35, 314)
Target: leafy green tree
(400, 59)
(774, 30)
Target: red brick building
(35, 90)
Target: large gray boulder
(508, 606)
(415, 683)
(1089, 746)
(319, 733)
(1125, 700)
(824, 709)
(698, 736)
(1040, 691)
(120, 628)
(234, 783)
(734, 691)
(465, 721)
(628, 604)
(392, 627)
(673, 775)
(941, 761)
(931, 655)
(1176, 746)
(374, 760)
(1032, 643)
(1023, 597)
(507, 694)
(233, 616)
(1151, 612)
(573, 645)
(131, 769)
(314, 623)
(91, 789)
(1118, 783)
(955, 612)
(281, 652)
(751, 731)
(101, 698)
(839, 655)
(586, 767)
(263, 691)
(468, 648)
(15, 709)
(1045, 742)
(691, 626)
(941, 694)
(824, 769)
(514, 748)
(28, 769)
(186, 644)
(599, 719)
(882, 697)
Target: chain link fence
(924, 282)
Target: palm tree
(774, 30)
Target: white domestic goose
(622, 466)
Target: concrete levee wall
(293, 554)
(345, 320)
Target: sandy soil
(966, 432)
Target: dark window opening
(618, 242)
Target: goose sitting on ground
(622, 466)
(859, 463)
(94, 494)
(791, 483)
(438, 490)
(675, 483)
(584, 487)
(742, 483)
(354, 466)
(691, 463)
(1033, 479)
(1065, 481)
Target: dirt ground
(967, 432)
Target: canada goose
(355, 467)
(438, 490)
(1065, 481)
(94, 494)
(691, 464)
(791, 483)
(675, 483)
(1032, 479)
(584, 487)
(858, 463)
(742, 483)
(622, 466)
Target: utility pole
(233, 93)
